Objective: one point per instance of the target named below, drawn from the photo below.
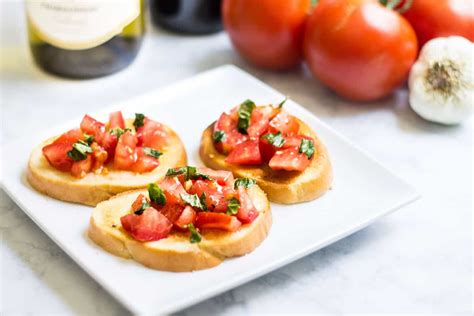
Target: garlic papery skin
(441, 81)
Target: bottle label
(80, 24)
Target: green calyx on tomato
(401, 6)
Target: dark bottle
(84, 39)
(187, 16)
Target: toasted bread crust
(176, 253)
(282, 187)
(93, 188)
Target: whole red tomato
(359, 48)
(440, 18)
(268, 33)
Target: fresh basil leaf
(88, 139)
(193, 200)
(233, 206)
(244, 182)
(152, 152)
(245, 113)
(219, 136)
(79, 151)
(190, 173)
(145, 205)
(156, 194)
(280, 105)
(276, 140)
(307, 148)
(202, 199)
(117, 131)
(195, 236)
(139, 120)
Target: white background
(417, 260)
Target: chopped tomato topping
(187, 217)
(151, 225)
(221, 176)
(172, 189)
(246, 153)
(93, 127)
(116, 120)
(152, 134)
(70, 137)
(294, 141)
(56, 154)
(138, 203)
(80, 168)
(125, 152)
(232, 137)
(171, 211)
(290, 160)
(215, 198)
(206, 220)
(100, 156)
(247, 212)
(260, 120)
(267, 150)
(144, 162)
(284, 123)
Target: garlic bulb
(441, 81)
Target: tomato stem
(395, 5)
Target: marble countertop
(417, 260)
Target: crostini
(266, 143)
(90, 164)
(191, 220)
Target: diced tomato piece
(100, 156)
(152, 134)
(109, 143)
(172, 189)
(247, 212)
(206, 220)
(116, 120)
(267, 150)
(187, 217)
(125, 152)
(151, 225)
(70, 137)
(246, 153)
(80, 168)
(221, 176)
(172, 211)
(56, 154)
(144, 162)
(93, 127)
(138, 203)
(284, 123)
(294, 141)
(226, 124)
(260, 120)
(215, 198)
(290, 160)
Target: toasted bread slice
(176, 253)
(94, 188)
(284, 187)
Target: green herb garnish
(195, 236)
(219, 136)
(152, 152)
(202, 198)
(190, 173)
(280, 105)
(307, 148)
(117, 131)
(193, 200)
(276, 140)
(244, 182)
(88, 139)
(233, 206)
(138, 122)
(156, 194)
(79, 151)
(245, 113)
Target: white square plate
(363, 191)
